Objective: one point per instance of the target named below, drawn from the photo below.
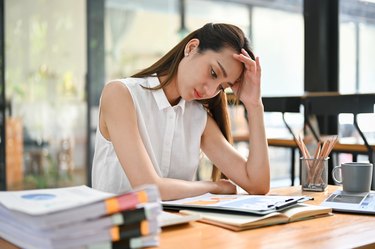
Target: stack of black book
(80, 217)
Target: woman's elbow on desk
(257, 184)
(257, 187)
(260, 179)
(261, 190)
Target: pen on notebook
(286, 203)
(292, 201)
(289, 202)
(281, 203)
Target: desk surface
(336, 231)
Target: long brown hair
(211, 37)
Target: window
(279, 41)
(45, 84)
(357, 74)
(137, 34)
(357, 36)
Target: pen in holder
(314, 174)
(314, 169)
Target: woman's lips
(197, 94)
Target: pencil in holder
(314, 174)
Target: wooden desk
(337, 231)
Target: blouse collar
(161, 98)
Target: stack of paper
(80, 217)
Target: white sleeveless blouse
(171, 135)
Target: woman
(154, 125)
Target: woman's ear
(191, 46)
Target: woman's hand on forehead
(250, 88)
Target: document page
(259, 204)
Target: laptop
(348, 202)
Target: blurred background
(57, 55)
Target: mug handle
(336, 168)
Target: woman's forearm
(171, 189)
(258, 166)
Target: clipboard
(252, 204)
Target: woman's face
(204, 75)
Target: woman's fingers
(249, 63)
(243, 51)
(259, 69)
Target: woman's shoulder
(128, 89)
(128, 81)
(123, 85)
(115, 92)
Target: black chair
(283, 105)
(337, 104)
(334, 104)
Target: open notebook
(342, 201)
